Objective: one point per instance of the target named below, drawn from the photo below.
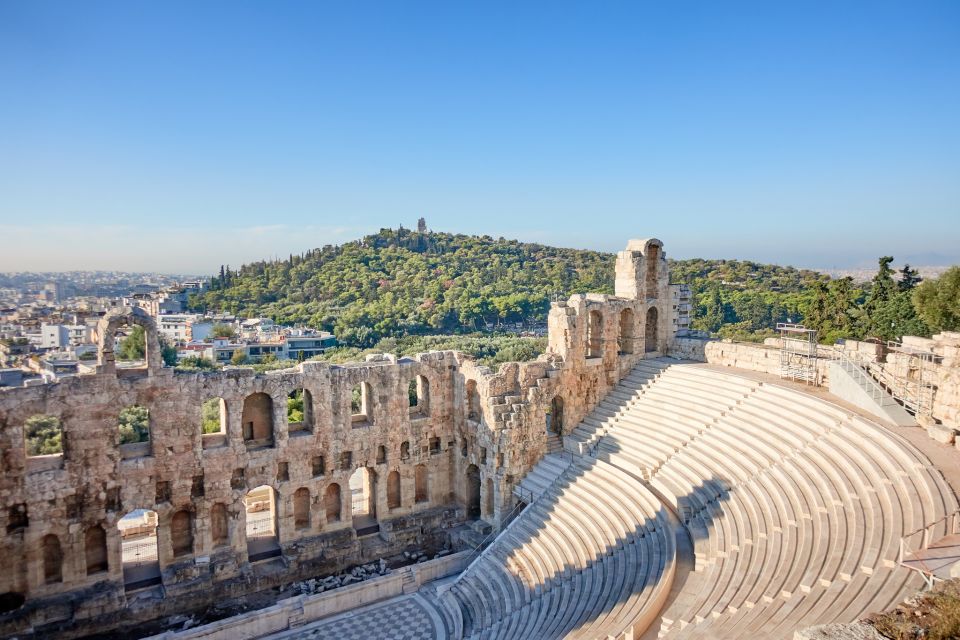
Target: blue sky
(178, 136)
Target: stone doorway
(138, 539)
(473, 492)
(262, 539)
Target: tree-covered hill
(399, 282)
(402, 283)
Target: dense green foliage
(490, 350)
(44, 435)
(134, 424)
(387, 288)
(133, 347)
(210, 416)
(197, 363)
(295, 407)
(938, 301)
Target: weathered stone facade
(61, 544)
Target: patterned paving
(402, 618)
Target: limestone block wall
(459, 453)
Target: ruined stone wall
(473, 423)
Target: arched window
(261, 511)
(418, 393)
(257, 420)
(52, 560)
(301, 508)
(422, 484)
(393, 490)
(363, 493)
(95, 549)
(381, 454)
(181, 533)
(625, 343)
(404, 450)
(138, 539)
(361, 405)
(650, 341)
(473, 402)
(44, 435)
(332, 502)
(594, 334)
(300, 411)
(219, 525)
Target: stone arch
(181, 533)
(332, 502)
(625, 343)
(418, 394)
(257, 420)
(594, 334)
(219, 525)
(133, 422)
(650, 330)
(421, 483)
(404, 450)
(474, 411)
(363, 492)
(381, 454)
(555, 417)
(263, 540)
(393, 490)
(95, 549)
(473, 491)
(52, 559)
(138, 548)
(301, 508)
(107, 329)
(213, 416)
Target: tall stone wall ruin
(63, 570)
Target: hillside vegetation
(400, 283)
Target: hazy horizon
(179, 137)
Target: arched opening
(138, 539)
(363, 500)
(418, 394)
(261, 507)
(381, 454)
(181, 533)
(650, 334)
(52, 560)
(625, 342)
(332, 503)
(393, 490)
(594, 334)
(473, 492)
(95, 549)
(490, 496)
(299, 411)
(133, 423)
(555, 417)
(652, 262)
(361, 405)
(473, 401)
(219, 525)
(404, 450)
(421, 484)
(257, 420)
(301, 508)
(213, 422)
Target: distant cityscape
(48, 324)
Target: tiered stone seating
(592, 556)
(795, 508)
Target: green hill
(400, 283)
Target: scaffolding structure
(798, 352)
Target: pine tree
(909, 278)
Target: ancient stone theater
(632, 482)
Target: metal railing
(509, 519)
(954, 527)
(866, 381)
